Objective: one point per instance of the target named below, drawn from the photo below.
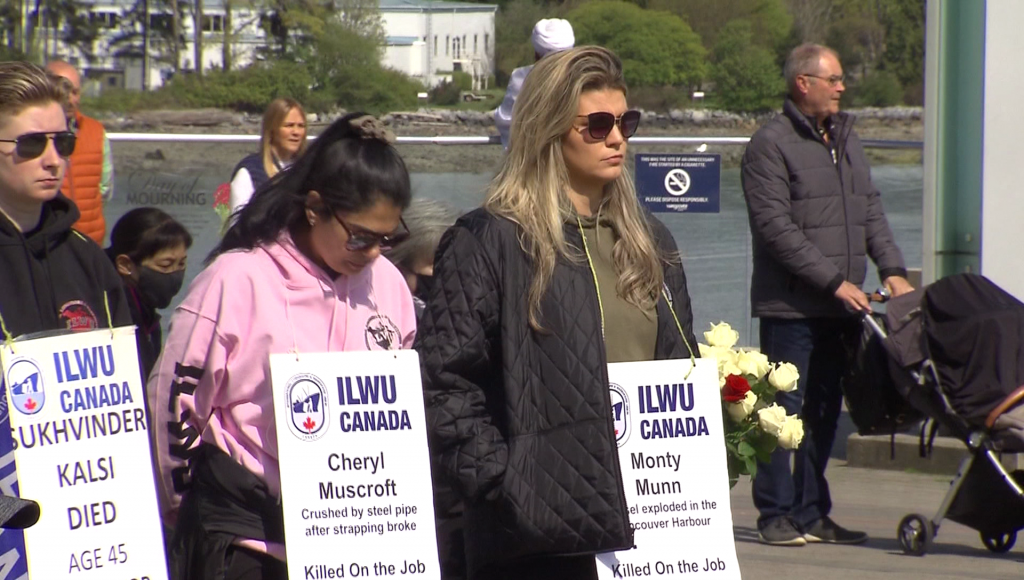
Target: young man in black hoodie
(53, 277)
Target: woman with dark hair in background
(282, 139)
(149, 249)
(298, 271)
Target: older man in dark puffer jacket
(815, 218)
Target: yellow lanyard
(600, 303)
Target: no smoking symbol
(677, 182)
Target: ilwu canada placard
(668, 426)
(355, 469)
(81, 444)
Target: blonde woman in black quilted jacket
(560, 273)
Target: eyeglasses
(600, 124)
(363, 240)
(832, 80)
(32, 145)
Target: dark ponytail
(349, 170)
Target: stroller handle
(881, 296)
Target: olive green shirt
(630, 334)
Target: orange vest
(82, 181)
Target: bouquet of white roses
(754, 424)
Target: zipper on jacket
(837, 161)
(607, 396)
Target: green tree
(53, 22)
(904, 46)
(340, 45)
(881, 88)
(769, 19)
(859, 40)
(657, 48)
(746, 76)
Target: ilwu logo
(620, 413)
(26, 384)
(307, 407)
(382, 334)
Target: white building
(425, 39)
(429, 40)
(118, 55)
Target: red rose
(222, 195)
(735, 389)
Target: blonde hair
(531, 185)
(24, 85)
(277, 111)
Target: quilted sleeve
(457, 342)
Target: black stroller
(956, 354)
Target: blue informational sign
(683, 183)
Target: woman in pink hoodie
(298, 271)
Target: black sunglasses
(32, 145)
(364, 240)
(600, 124)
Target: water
(715, 247)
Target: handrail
(478, 140)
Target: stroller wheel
(1001, 543)
(915, 534)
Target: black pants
(548, 568)
(245, 564)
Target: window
(105, 19)
(435, 45)
(474, 44)
(447, 45)
(487, 42)
(161, 22)
(455, 48)
(213, 23)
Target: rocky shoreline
(895, 123)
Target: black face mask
(424, 284)
(157, 288)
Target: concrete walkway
(874, 501)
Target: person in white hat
(549, 35)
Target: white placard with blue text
(668, 423)
(78, 422)
(355, 469)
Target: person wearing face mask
(298, 271)
(149, 249)
(282, 139)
